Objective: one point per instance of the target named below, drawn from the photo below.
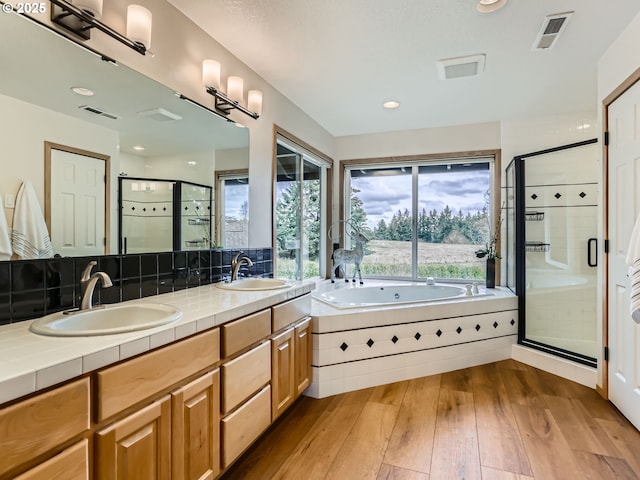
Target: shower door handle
(590, 259)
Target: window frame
(491, 156)
(221, 177)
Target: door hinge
(606, 138)
(606, 245)
(606, 354)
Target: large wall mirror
(52, 90)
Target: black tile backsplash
(33, 288)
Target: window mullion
(414, 222)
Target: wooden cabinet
(283, 388)
(196, 429)
(303, 356)
(70, 464)
(138, 446)
(241, 334)
(245, 375)
(43, 423)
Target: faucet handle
(86, 273)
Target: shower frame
(519, 245)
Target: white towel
(5, 241)
(633, 261)
(29, 237)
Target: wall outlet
(9, 200)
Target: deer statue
(342, 256)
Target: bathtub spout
(430, 281)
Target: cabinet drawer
(131, 382)
(41, 423)
(289, 312)
(244, 425)
(245, 375)
(70, 464)
(242, 333)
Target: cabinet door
(303, 356)
(283, 371)
(70, 464)
(138, 446)
(196, 429)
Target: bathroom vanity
(188, 399)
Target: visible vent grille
(461, 67)
(552, 27)
(97, 111)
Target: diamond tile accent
(344, 346)
(513, 322)
(370, 343)
(495, 324)
(439, 332)
(394, 339)
(477, 328)
(557, 195)
(582, 194)
(417, 336)
(459, 330)
(534, 196)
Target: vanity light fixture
(80, 16)
(234, 98)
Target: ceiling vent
(97, 111)
(160, 115)
(461, 67)
(552, 27)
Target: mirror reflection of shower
(552, 248)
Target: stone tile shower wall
(33, 288)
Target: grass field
(393, 258)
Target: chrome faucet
(237, 262)
(88, 284)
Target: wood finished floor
(504, 420)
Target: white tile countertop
(31, 362)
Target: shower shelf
(534, 216)
(537, 247)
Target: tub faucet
(237, 262)
(88, 284)
(431, 281)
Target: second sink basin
(250, 284)
(106, 320)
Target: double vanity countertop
(31, 362)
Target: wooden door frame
(617, 92)
(48, 147)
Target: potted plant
(491, 253)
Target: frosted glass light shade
(254, 101)
(94, 7)
(235, 87)
(139, 25)
(211, 74)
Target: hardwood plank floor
(504, 420)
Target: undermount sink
(105, 320)
(250, 284)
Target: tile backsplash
(33, 288)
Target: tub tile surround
(30, 362)
(33, 288)
(354, 348)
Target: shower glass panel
(551, 235)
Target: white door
(77, 204)
(623, 209)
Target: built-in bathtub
(360, 346)
(390, 295)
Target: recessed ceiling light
(391, 104)
(490, 6)
(82, 91)
(138, 148)
(192, 163)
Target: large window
(300, 216)
(422, 218)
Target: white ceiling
(339, 60)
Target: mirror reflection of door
(76, 200)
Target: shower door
(555, 216)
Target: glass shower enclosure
(551, 248)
